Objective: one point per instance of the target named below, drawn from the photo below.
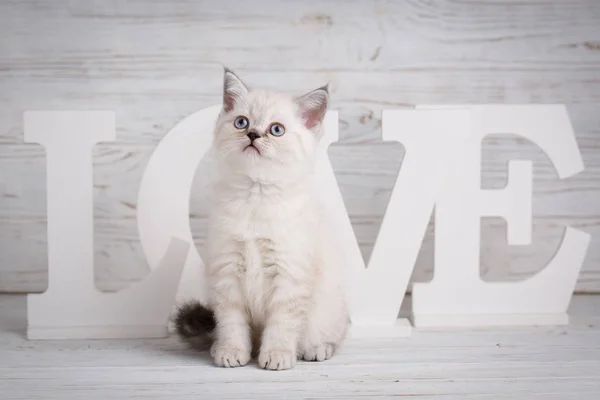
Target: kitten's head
(268, 135)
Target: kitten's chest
(257, 216)
(255, 274)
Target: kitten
(274, 286)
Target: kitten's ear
(313, 106)
(233, 90)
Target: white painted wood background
(155, 62)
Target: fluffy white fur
(274, 286)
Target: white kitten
(275, 286)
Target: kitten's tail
(195, 324)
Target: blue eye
(276, 129)
(241, 123)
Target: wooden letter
(72, 307)
(457, 296)
(434, 141)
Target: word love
(441, 170)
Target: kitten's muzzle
(252, 135)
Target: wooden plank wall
(155, 62)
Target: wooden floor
(524, 364)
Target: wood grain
(155, 62)
(525, 363)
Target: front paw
(277, 359)
(229, 356)
(319, 353)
